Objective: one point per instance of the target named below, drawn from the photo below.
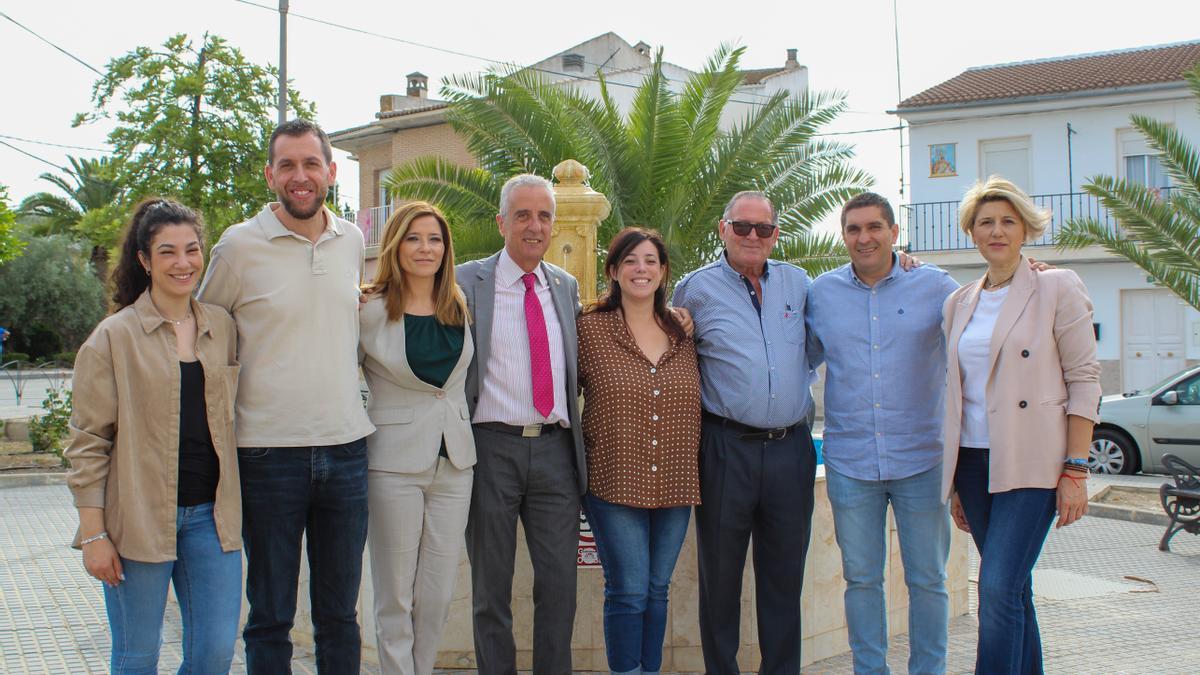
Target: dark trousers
(760, 490)
(532, 479)
(288, 493)
(1009, 529)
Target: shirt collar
(766, 271)
(275, 228)
(896, 269)
(508, 273)
(151, 319)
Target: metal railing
(933, 226)
(372, 221)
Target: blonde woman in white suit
(415, 351)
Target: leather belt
(749, 433)
(527, 431)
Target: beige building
(412, 125)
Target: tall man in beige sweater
(289, 276)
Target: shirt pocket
(792, 322)
(225, 379)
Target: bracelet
(1076, 467)
(98, 537)
(1076, 461)
(1070, 477)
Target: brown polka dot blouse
(641, 420)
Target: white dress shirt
(505, 389)
(974, 352)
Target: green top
(431, 348)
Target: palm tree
(1160, 235)
(666, 164)
(90, 211)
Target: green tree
(49, 297)
(667, 164)
(1159, 234)
(88, 210)
(10, 244)
(193, 124)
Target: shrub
(65, 358)
(47, 432)
(14, 356)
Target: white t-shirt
(974, 348)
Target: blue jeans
(1009, 529)
(316, 493)
(923, 525)
(638, 549)
(208, 586)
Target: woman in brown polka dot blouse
(641, 426)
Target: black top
(431, 348)
(199, 470)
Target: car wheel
(1112, 452)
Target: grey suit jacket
(410, 415)
(478, 281)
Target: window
(382, 198)
(1007, 158)
(572, 62)
(1139, 162)
(1188, 391)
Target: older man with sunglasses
(757, 462)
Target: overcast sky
(847, 45)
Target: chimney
(418, 85)
(791, 62)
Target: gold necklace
(179, 322)
(988, 285)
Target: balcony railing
(933, 226)
(372, 221)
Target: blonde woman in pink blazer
(1022, 394)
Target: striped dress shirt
(505, 389)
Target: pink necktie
(539, 350)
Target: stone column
(578, 213)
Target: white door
(1152, 345)
(1008, 158)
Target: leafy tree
(49, 297)
(10, 245)
(667, 164)
(91, 210)
(194, 125)
(1160, 235)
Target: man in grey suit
(522, 392)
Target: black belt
(749, 433)
(527, 431)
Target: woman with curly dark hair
(153, 457)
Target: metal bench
(1181, 499)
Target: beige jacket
(410, 415)
(124, 447)
(1043, 368)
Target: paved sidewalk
(1094, 619)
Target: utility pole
(900, 126)
(283, 89)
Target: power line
(860, 131)
(30, 154)
(69, 55)
(53, 145)
(444, 50)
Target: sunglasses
(742, 228)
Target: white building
(1048, 125)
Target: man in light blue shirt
(757, 462)
(878, 329)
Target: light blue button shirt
(753, 367)
(885, 372)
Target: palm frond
(1178, 157)
(1184, 282)
(816, 252)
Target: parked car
(1138, 428)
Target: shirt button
(655, 418)
(1022, 404)
(653, 370)
(772, 395)
(654, 467)
(1024, 353)
(654, 442)
(211, 409)
(876, 405)
(874, 318)
(878, 433)
(874, 346)
(877, 376)
(440, 394)
(656, 392)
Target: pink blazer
(1043, 368)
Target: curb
(1126, 513)
(19, 480)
